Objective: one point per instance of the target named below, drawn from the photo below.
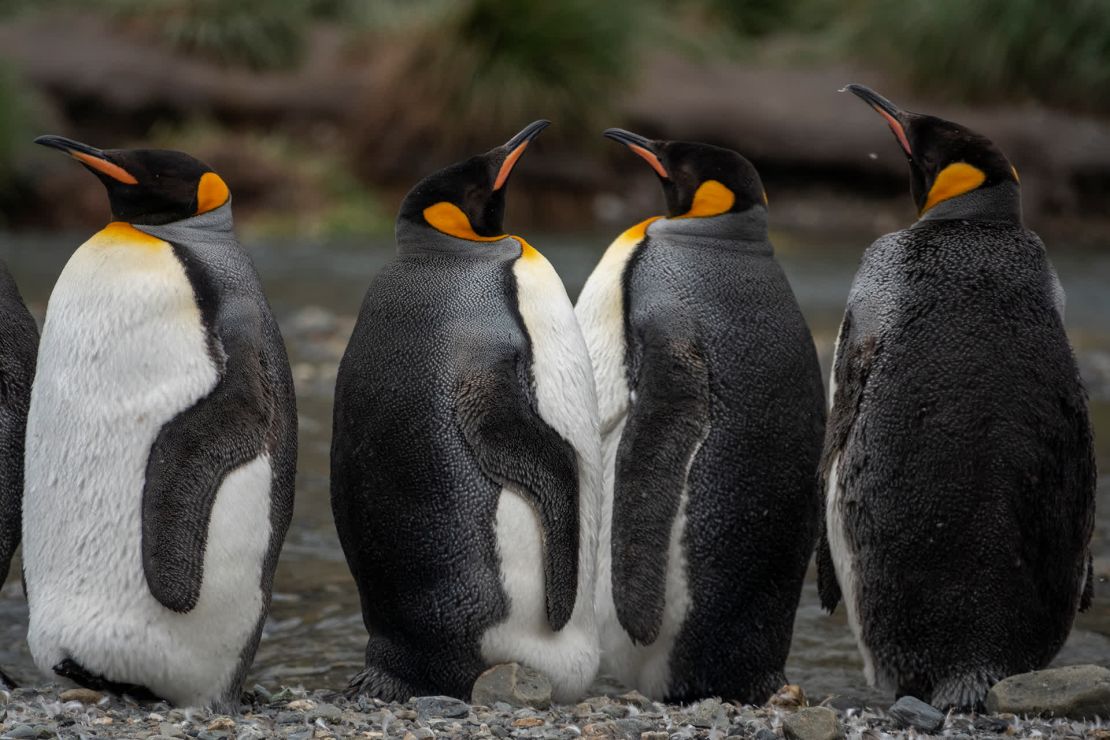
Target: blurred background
(321, 114)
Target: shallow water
(315, 634)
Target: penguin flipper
(515, 446)
(851, 366)
(666, 425)
(19, 343)
(195, 451)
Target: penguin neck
(413, 238)
(214, 225)
(1001, 202)
(746, 230)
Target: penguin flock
(632, 485)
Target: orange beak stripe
(105, 167)
(896, 127)
(507, 165)
(651, 159)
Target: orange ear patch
(955, 179)
(710, 199)
(212, 193)
(105, 167)
(449, 218)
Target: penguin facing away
(19, 339)
(958, 466)
(712, 414)
(465, 462)
(161, 443)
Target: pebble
(1075, 692)
(440, 706)
(514, 684)
(812, 723)
(85, 696)
(910, 711)
(329, 712)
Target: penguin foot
(6, 681)
(77, 673)
(965, 692)
(374, 682)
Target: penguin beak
(641, 145)
(93, 158)
(888, 110)
(514, 147)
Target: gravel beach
(293, 713)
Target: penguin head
(467, 199)
(699, 180)
(148, 186)
(946, 159)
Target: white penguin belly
(565, 399)
(123, 351)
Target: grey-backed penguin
(958, 465)
(161, 443)
(465, 463)
(19, 339)
(712, 415)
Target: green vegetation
(260, 34)
(1054, 52)
(289, 188)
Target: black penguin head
(946, 159)
(467, 199)
(148, 186)
(698, 179)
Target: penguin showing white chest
(712, 415)
(465, 461)
(19, 338)
(959, 467)
(161, 443)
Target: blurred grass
(1054, 52)
(293, 188)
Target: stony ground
(292, 713)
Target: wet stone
(910, 711)
(636, 699)
(289, 718)
(812, 723)
(513, 684)
(440, 706)
(1074, 692)
(706, 713)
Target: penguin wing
(515, 447)
(851, 367)
(18, 345)
(197, 449)
(666, 424)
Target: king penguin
(161, 443)
(19, 339)
(465, 457)
(959, 468)
(711, 407)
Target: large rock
(910, 711)
(514, 684)
(1075, 692)
(430, 707)
(812, 723)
